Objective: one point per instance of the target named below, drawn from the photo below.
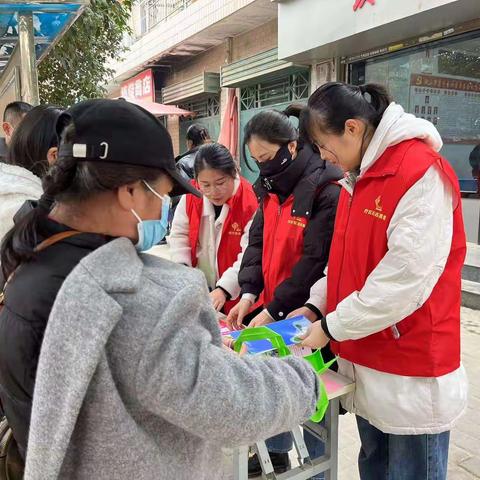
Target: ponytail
(378, 97)
(197, 134)
(331, 105)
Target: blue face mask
(152, 232)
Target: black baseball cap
(117, 131)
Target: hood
(398, 126)
(19, 180)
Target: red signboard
(360, 3)
(140, 87)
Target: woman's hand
(218, 298)
(229, 344)
(263, 318)
(304, 311)
(315, 337)
(238, 313)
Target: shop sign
(360, 3)
(140, 87)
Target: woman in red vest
(211, 233)
(392, 294)
(289, 239)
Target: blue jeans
(401, 457)
(283, 443)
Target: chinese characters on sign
(140, 87)
(360, 3)
(439, 99)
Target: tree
(77, 68)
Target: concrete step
(471, 268)
(471, 294)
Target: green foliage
(77, 68)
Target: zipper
(277, 219)
(395, 332)
(350, 199)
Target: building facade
(427, 52)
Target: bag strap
(58, 237)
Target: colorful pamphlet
(290, 330)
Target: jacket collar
(121, 276)
(316, 173)
(396, 127)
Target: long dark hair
(197, 134)
(33, 138)
(67, 181)
(273, 127)
(331, 105)
(216, 157)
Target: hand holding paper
(315, 337)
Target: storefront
(264, 83)
(426, 52)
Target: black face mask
(281, 160)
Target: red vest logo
(236, 229)
(360, 3)
(297, 221)
(378, 212)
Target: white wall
(320, 29)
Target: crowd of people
(112, 364)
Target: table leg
(240, 463)
(331, 446)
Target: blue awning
(50, 21)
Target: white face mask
(152, 232)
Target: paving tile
(457, 473)
(457, 455)
(472, 465)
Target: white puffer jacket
(17, 185)
(419, 240)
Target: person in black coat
(289, 240)
(197, 135)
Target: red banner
(140, 87)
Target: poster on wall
(140, 87)
(451, 104)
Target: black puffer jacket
(312, 182)
(29, 297)
(186, 163)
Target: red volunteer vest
(242, 207)
(283, 237)
(428, 344)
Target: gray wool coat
(133, 383)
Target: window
(281, 90)
(153, 12)
(440, 79)
(207, 107)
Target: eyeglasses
(218, 187)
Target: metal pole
(28, 59)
